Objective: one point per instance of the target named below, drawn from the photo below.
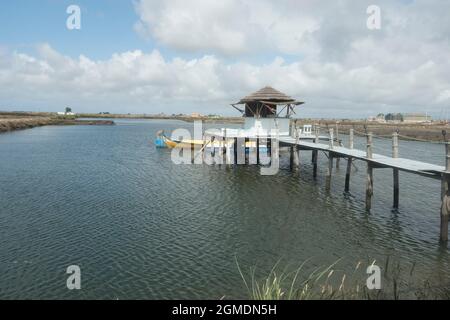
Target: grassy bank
(161, 117)
(427, 132)
(331, 283)
(13, 122)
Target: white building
(265, 111)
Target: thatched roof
(269, 95)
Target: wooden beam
(369, 152)
(347, 174)
(331, 138)
(351, 139)
(445, 206)
(246, 151)
(257, 151)
(369, 186)
(396, 183)
(235, 149)
(315, 155)
(329, 171)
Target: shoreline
(11, 121)
(9, 124)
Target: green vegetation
(393, 117)
(331, 283)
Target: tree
(68, 110)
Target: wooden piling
(395, 145)
(331, 139)
(224, 149)
(291, 158)
(315, 156)
(369, 186)
(445, 207)
(369, 182)
(369, 151)
(329, 171)
(213, 150)
(338, 159)
(257, 151)
(351, 139)
(347, 174)
(246, 151)
(349, 163)
(395, 171)
(235, 150)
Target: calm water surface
(141, 227)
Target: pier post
(224, 150)
(445, 207)
(347, 174)
(369, 152)
(349, 163)
(369, 182)
(192, 153)
(315, 155)
(338, 159)
(331, 139)
(369, 186)
(235, 150)
(351, 139)
(213, 150)
(294, 150)
(246, 151)
(257, 150)
(395, 171)
(291, 158)
(329, 171)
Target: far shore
(10, 121)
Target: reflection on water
(139, 226)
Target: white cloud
(135, 81)
(227, 27)
(321, 52)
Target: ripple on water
(141, 227)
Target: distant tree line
(391, 116)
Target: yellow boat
(188, 142)
(162, 141)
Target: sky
(177, 56)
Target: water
(141, 227)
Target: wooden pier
(334, 149)
(262, 112)
(375, 161)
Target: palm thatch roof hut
(264, 102)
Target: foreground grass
(330, 283)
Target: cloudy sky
(147, 56)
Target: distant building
(379, 118)
(65, 113)
(416, 117)
(196, 115)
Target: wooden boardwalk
(377, 160)
(338, 152)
